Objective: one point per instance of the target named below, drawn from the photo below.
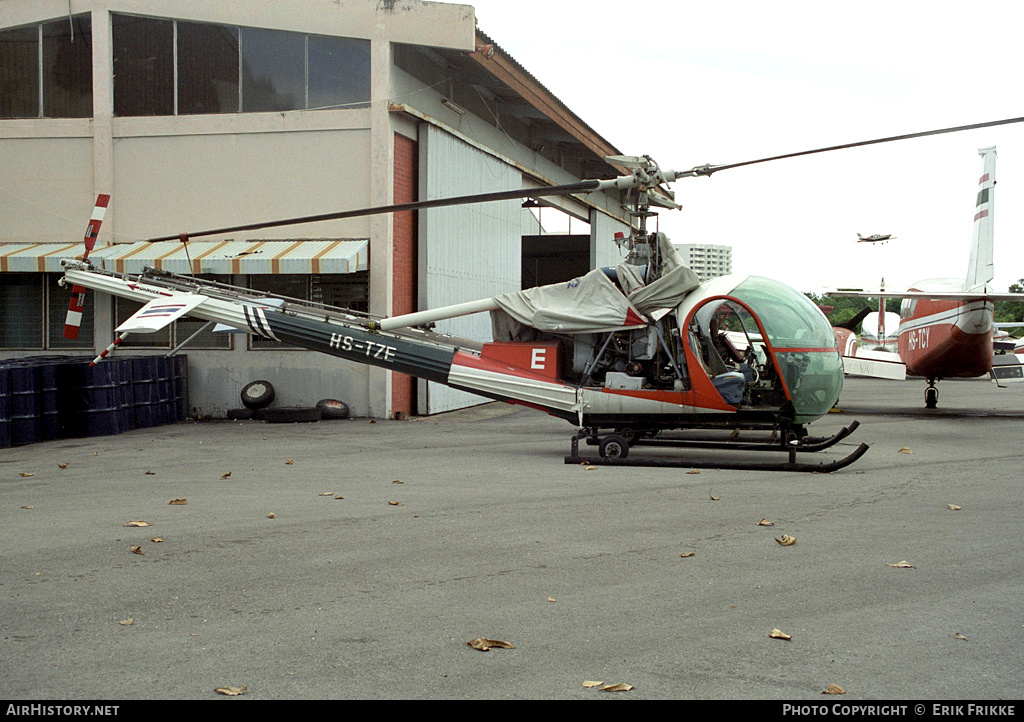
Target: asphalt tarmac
(357, 560)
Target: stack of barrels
(60, 397)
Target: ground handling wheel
(613, 447)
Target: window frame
(359, 79)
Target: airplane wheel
(613, 447)
(931, 397)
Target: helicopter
(631, 355)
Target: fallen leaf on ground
(765, 522)
(226, 475)
(786, 540)
(590, 683)
(327, 493)
(713, 497)
(686, 554)
(289, 462)
(551, 599)
(905, 450)
(397, 481)
(901, 565)
(954, 507)
(589, 468)
(138, 523)
(64, 465)
(156, 540)
(26, 473)
(178, 502)
(484, 644)
(395, 503)
(271, 515)
(137, 550)
(127, 622)
(959, 636)
(620, 687)
(150, 473)
(28, 507)
(693, 471)
(834, 689)
(231, 691)
(779, 634)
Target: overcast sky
(697, 82)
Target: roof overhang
(321, 256)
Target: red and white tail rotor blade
(76, 305)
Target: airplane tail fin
(982, 267)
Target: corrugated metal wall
(603, 250)
(465, 252)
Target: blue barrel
(181, 387)
(25, 403)
(126, 393)
(145, 377)
(90, 401)
(165, 390)
(49, 397)
(5, 406)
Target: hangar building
(205, 114)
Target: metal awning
(37, 257)
(333, 256)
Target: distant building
(706, 260)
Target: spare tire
(258, 394)
(290, 414)
(332, 409)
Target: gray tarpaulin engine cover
(593, 303)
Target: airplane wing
(160, 312)
(931, 295)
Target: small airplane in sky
(946, 325)
(875, 238)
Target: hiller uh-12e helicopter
(627, 354)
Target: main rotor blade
(562, 190)
(707, 170)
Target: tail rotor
(76, 305)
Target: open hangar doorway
(556, 245)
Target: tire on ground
(332, 409)
(290, 414)
(258, 394)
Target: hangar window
(348, 290)
(46, 70)
(33, 308)
(143, 66)
(174, 67)
(207, 68)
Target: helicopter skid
(614, 451)
(805, 444)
